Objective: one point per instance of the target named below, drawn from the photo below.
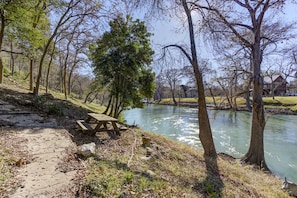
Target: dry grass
(10, 159)
(169, 169)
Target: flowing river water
(231, 132)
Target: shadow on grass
(212, 185)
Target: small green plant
(210, 190)
(55, 109)
(143, 183)
(6, 72)
(128, 177)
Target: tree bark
(87, 96)
(213, 97)
(48, 69)
(1, 70)
(1, 41)
(31, 74)
(173, 96)
(11, 59)
(64, 80)
(109, 103)
(255, 154)
(205, 133)
(71, 72)
(92, 100)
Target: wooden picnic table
(101, 122)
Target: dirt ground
(49, 167)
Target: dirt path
(51, 150)
(42, 177)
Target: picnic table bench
(98, 123)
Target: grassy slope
(167, 168)
(171, 170)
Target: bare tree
(159, 87)
(242, 21)
(205, 134)
(72, 11)
(172, 76)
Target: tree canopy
(121, 60)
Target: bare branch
(182, 50)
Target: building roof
(270, 79)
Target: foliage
(146, 81)
(121, 59)
(27, 24)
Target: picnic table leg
(99, 125)
(88, 119)
(116, 129)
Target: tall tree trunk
(31, 74)
(108, 105)
(92, 100)
(36, 90)
(11, 59)
(1, 41)
(255, 154)
(71, 71)
(87, 96)
(234, 105)
(65, 81)
(1, 70)
(226, 94)
(112, 107)
(61, 79)
(247, 101)
(65, 67)
(205, 133)
(213, 97)
(116, 105)
(69, 81)
(173, 97)
(48, 70)
(247, 95)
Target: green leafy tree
(147, 83)
(33, 33)
(24, 23)
(11, 13)
(121, 59)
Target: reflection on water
(231, 133)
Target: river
(231, 132)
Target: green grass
(278, 102)
(281, 100)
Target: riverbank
(126, 167)
(279, 105)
